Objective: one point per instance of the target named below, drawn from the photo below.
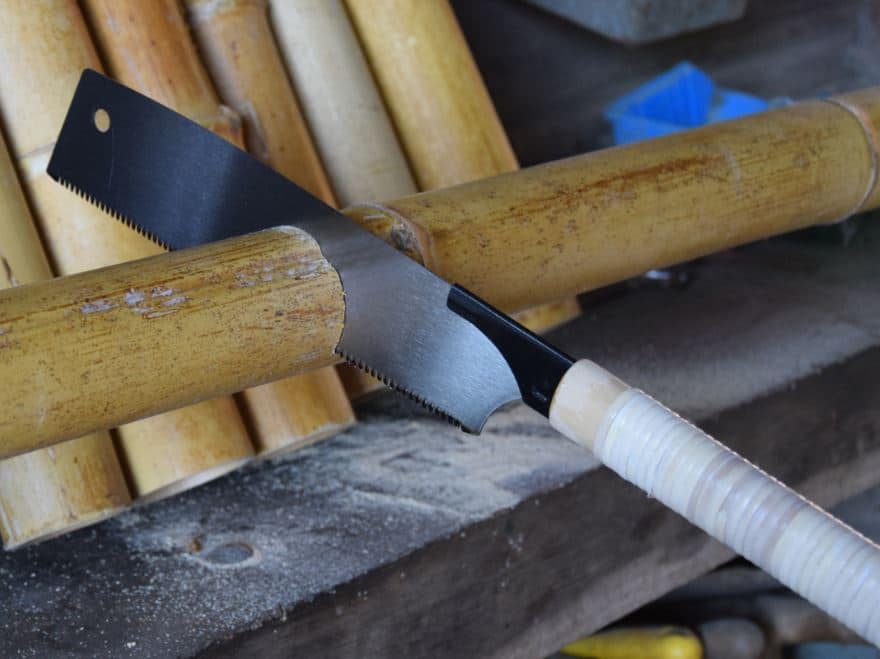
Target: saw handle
(732, 500)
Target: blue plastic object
(683, 97)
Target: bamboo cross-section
(693, 193)
(345, 112)
(239, 51)
(79, 482)
(440, 105)
(176, 451)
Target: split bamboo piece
(44, 47)
(346, 115)
(519, 238)
(79, 482)
(239, 51)
(440, 105)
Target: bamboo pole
(342, 105)
(58, 489)
(239, 50)
(45, 493)
(43, 48)
(345, 112)
(440, 105)
(517, 239)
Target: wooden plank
(568, 562)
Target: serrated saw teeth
(112, 212)
(388, 382)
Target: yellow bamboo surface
(440, 105)
(517, 239)
(569, 226)
(239, 50)
(345, 112)
(146, 46)
(58, 489)
(46, 493)
(232, 328)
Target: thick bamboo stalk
(141, 45)
(239, 50)
(570, 225)
(58, 489)
(81, 482)
(574, 225)
(340, 100)
(345, 112)
(297, 313)
(440, 105)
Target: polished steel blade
(182, 186)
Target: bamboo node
(872, 141)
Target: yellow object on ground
(638, 643)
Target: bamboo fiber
(518, 239)
(344, 109)
(177, 451)
(58, 489)
(239, 50)
(440, 105)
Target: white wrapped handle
(801, 545)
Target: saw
(182, 186)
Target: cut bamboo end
(440, 105)
(52, 491)
(239, 49)
(148, 47)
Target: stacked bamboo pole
(43, 47)
(239, 50)
(46, 493)
(57, 489)
(345, 112)
(518, 239)
(440, 105)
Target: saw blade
(182, 186)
